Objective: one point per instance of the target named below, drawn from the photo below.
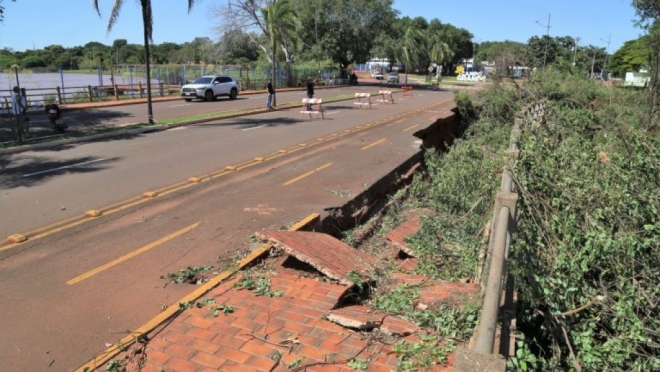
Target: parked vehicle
(54, 114)
(377, 75)
(210, 87)
(393, 77)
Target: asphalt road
(81, 283)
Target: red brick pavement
(330, 256)
(260, 330)
(288, 330)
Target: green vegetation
(190, 275)
(260, 285)
(585, 255)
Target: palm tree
(412, 43)
(281, 24)
(439, 52)
(147, 22)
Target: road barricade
(362, 100)
(385, 96)
(406, 91)
(316, 105)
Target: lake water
(39, 85)
(52, 80)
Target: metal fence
(130, 81)
(503, 223)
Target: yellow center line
(287, 183)
(409, 128)
(132, 202)
(374, 144)
(130, 255)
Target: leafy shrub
(586, 256)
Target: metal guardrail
(503, 224)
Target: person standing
(310, 92)
(19, 109)
(269, 98)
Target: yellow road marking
(56, 227)
(374, 144)
(174, 309)
(409, 128)
(131, 255)
(287, 183)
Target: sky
(35, 24)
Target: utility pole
(547, 34)
(607, 51)
(575, 48)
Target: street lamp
(547, 34)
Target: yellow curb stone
(17, 238)
(194, 180)
(230, 168)
(93, 213)
(150, 194)
(259, 159)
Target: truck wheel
(188, 99)
(208, 96)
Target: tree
(648, 12)
(280, 21)
(2, 11)
(412, 44)
(631, 57)
(147, 24)
(344, 30)
(235, 47)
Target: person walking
(269, 98)
(310, 92)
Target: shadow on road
(30, 171)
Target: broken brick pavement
(302, 325)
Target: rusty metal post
(488, 322)
(89, 93)
(140, 88)
(491, 303)
(58, 94)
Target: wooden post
(59, 94)
(140, 88)
(89, 93)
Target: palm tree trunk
(147, 55)
(272, 77)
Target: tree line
(334, 32)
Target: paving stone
(410, 227)
(396, 326)
(328, 255)
(357, 317)
(437, 293)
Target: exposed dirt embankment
(438, 135)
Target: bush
(586, 254)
